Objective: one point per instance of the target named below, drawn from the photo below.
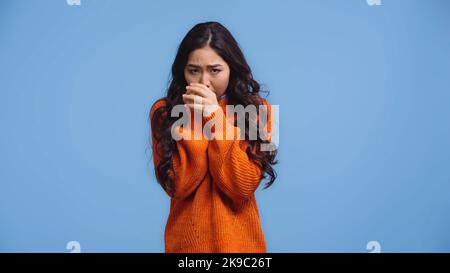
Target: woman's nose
(204, 80)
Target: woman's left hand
(199, 97)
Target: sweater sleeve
(231, 168)
(190, 164)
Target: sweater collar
(222, 100)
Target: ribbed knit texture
(213, 208)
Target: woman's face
(205, 66)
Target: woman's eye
(215, 71)
(193, 71)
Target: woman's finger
(193, 98)
(201, 85)
(197, 91)
(195, 107)
(207, 93)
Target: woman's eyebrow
(211, 66)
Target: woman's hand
(200, 98)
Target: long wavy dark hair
(242, 90)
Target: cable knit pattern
(213, 208)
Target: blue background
(364, 94)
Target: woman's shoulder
(157, 104)
(264, 102)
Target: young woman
(211, 181)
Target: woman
(211, 181)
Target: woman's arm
(190, 165)
(231, 168)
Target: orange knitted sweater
(213, 208)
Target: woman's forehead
(206, 57)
